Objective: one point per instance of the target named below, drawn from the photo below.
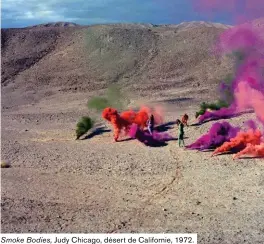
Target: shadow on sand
(251, 158)
(165, 127)
(154, 143)
(96, 132)
(126, 139)
(199, 150)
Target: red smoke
(142, 117)
(127, 118)
(157, 112)
(252, 150)
(116, 120)
(240, 141)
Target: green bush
(213, 106)
(84, 124)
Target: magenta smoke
(248, 85)
(217, 135)
(158, 138)
(239, 11)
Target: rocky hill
(149, 60)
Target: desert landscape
(56, 184)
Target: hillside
(56, 184)
(147, 60)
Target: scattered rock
(5, 165)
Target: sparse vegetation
(83, 126)
(212, 106)
(5, 165)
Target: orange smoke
(253, 150)
(157, 112)
(116, 120)
(127, 118)
(241, 140)
(141, 118)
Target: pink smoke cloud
(247, 86)
(247, 97)
(242, 37)
(240, 10)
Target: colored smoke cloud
(239, 142)
(248, 84)
(238, 10)
(251, 124)
(217, 135)
(122, 122)
(245, 88)
(252, 150)
(157, 139)
(246, 42)
(223, 113)
(247, 97)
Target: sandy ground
(57, 184)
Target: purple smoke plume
(251, 124)
(156, 139)
(248, 85)
(223, 113)
(217, 135)
(238, 11)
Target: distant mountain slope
(147, 59)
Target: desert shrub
(83, 126)
(212, 106)
(5, 165)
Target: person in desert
(150, 124)
(180, 132)
(184, 120)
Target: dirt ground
(57, 184)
